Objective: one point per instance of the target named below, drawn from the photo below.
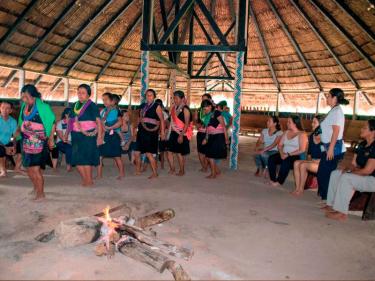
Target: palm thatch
(81, 48)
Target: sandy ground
(239, 227)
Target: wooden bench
(364, 201)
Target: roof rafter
(344, 33)
(324, 42)
(104, 29)
(37, 45)
(128, 32)
(75, 38)
(366, 29)
(265, 48)
(294, 43)
(19, 20)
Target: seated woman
(292, 146)
(361, 176)
(302, 167)
(267, 145)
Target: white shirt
(268, 140)
(60, 126)
(335, 117)
(290, 145)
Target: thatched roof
(290, 71)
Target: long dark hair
(371, 124)
(66, 111)
(208, 96)
(297, 121)
(339, 94)
(152, 91)
(206, 103)
(32, 90)
(318, 130)
(276, 121)
(86, 87)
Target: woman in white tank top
(292, 147)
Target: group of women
(319, 154)
(87, 135)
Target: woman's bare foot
(296, 193)
(21, 172)
(153, 176)
(274, 183)
(337, 216)
(180, 173)
(69, 168)
(88, 184)
(211, 176)
(32, 192)
(203, 170)
(257, 173)
(39, 197)
(326, 208)
(119, 177)
(97, 177)
(3, 174)
(172, 172)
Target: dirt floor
(238, 226)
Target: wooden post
(356, 102)
(188, 92)
(166, 96)
(95, 91)
(236, 111)
(21, 81)
(66, 91)
(130, 95)
(277, 103)
(318, 102)
(145, 65)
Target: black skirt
(112, 146)
(147, 142)
(85, 152)
(216, 147)
(40, 159)
(180, 148)
(200, 147)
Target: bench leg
(369, 211)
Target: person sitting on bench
(8, 127)
(361, 177)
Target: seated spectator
(64, 141)
(292, 147)
(361, 176)
(302, 167)
(8, 128)
(267, 145)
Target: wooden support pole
(10, 78)
(320, 94)
(130, 95)
(278, 103)
(188, 92)
(357, 95)
(95, 91)
(236, 110)
(21, 80)
(66, 91)
(145, 65)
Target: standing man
(8, 127)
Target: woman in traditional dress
(181, 134)
(36, 121)
(332, 139)
(201, 122)
(314, 153)
(216, 139)
(111, 147)
(87, 134)
(64, 140)
(150, 123)
(163, 145)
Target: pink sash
(85, 126)
(178, 125)
(34, 137)
(150, 121)
(214, 131)
(202, 130)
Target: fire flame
(106, 214)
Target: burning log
(143, 253)
(155, 218)
(178, 272)
(163, 246)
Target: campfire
(126, 235)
